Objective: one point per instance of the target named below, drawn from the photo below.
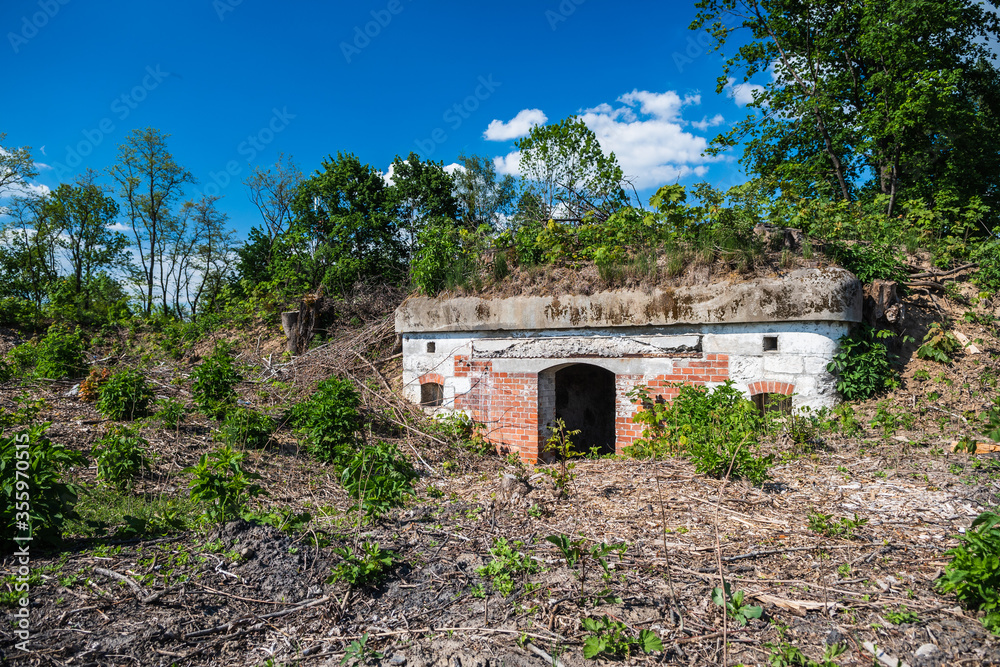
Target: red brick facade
(507, 405)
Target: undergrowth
(718, 430)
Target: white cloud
(742, 93)
(508, 164)
(388, 173)
(651, 142)
(666, 106)
(707, 122)
(518, 126)
(646, 131)
(41, 166)
(453, 167)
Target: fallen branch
(136, 588)
(925, 283)
(941, 274)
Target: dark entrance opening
(585, 400)
(431, 394)
(766, 402)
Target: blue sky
(235, 82)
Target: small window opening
(431, 394)
(766, 402)
(770, 343)
(431, 347)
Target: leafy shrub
(509, 562)
(715, 429)
(25, 410)
(379, 477)
(862, 364)
(328, 420)
(125, 396)
(60, 354)
(367, 568)
(733, 602)
(440, 261)
(171, 412)
(121, 457)
(988, 256)
(875, 261)
(220, 482)
(614, 639)
(244, 427)
(938, 344)
(32, 488)
(214, 382)
(21, 361)
(90, 388)
(560, 445)
(824, 525)
(974, 571)
(786, 655)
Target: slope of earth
(842, 546)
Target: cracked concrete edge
(805, 295)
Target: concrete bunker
(515, 364)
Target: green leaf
(592, 646)
(650, 641)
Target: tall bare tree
(272, 191)
(149, 183)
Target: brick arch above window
(771, 387)
(436, 378)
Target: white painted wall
(803, 352)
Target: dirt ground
(248, 594)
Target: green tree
(572, 173)
(483, 198)
(150, 183)
(272, 191)
(82, 216)
(16, 167)
(348, 218)
(423, 191)
(894, 97)
(213, 258)
(28, 255)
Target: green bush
(24, 413)
(988, 256)
(614, 639)
(244, 427)
(379, 477)
(328, 420)
(220, 482)
(21, 360)
(974, 571)
(126, 395)
(60, 354)
(215, 381)
(862, 364)
(874, 261)
(32, 488)
(171, 412)
(715, 429)
(367, 568)
(938, 344)
(439, 262)
(121, 457)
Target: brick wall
(698, 371)
(515, 408)
(506, 404)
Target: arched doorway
(585, 400)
